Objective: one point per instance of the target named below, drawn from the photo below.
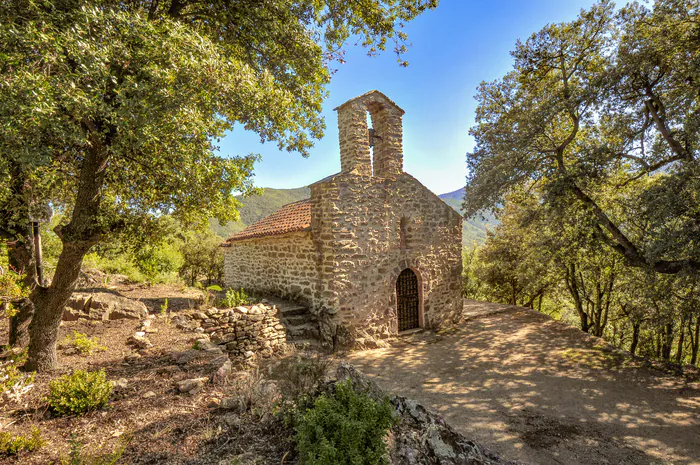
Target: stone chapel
(372, 251)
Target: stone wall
(283, 266)
(253, 329)
(357, 224)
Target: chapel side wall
(284, 266)
(362, 218)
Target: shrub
(78, 457)
(202, 258)
(85, 345)
(79, 392)
(235, 298)
(344, 427)
(160, 261)
(13, 382)
(10, 445)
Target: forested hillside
(473, 229)
(259, 206)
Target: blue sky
(455, 47)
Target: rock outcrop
(421, 437)
(103, 306)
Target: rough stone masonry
(344, 251)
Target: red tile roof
(289, 218)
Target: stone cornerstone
(372, 251)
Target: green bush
(13, 382)
(159, 262)
(235, 298)
(10, 445)
(344, 427)
(202, 258)
(84, 344)
(119, 264)
(79, 392)
(78, 457)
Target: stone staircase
(301, 325)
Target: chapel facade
(372, 251)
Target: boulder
(191, 385)
(103, 306)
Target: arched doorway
(407, 300)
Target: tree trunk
(635, 337)
(696, 342)
(667, 342)
(49, 304)
(681, 341)
(78, 236)
(21, 258)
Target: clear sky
(455, 47)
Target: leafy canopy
(152, 86)
(603, 112)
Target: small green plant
(164, 307)
(84, 344)
(344, 427)
(235, 298)
(78, 457)
(13, 382)
(80, 392)
(12, 445)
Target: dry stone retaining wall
(243, 330)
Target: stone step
(307, 344)
(293, 310)
(293, 320)
(303, 331)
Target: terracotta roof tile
(289, 218)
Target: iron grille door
(407, 300)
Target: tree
(118, 105)
(603, 102)
(202, 256)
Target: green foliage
(121, 264)
(202, 258)
(84, 344)
(164, 307)
(78, 457)
(344, 427)
(14, 382)
(13, 445)
(601, 113)
(158, 262)
(12, 288)
(79, 393)
(474, 227)
(235, 298)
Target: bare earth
(538, 391)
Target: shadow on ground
(536, 390)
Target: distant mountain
(473, 229)
(258, 206)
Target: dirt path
(536, 390)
